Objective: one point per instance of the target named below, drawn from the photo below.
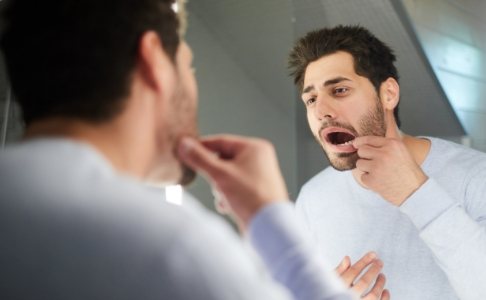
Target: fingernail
(372, 255)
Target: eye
(340, 91)
(309, 101)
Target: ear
(156, 69)
(389, 94)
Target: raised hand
(364, 277)
(244, 170)
(387, 167)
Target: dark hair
(373, 59)
(74, 58)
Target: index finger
(350, 275)
(371, 140)
(198, 157)
(226, 145)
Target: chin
(343, 161)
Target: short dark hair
(75, 58)
(373, 59)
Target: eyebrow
(327, 83)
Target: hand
(221, 205)
(371, 278)
(388, 168)
(244, 170)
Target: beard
(372, 123)
(179, 121)
(183, 123)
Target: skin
(364, 277)
(245, 171)
(337, 98)
(381, 157)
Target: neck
(418, 147)
(124, 147)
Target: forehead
(330, 66)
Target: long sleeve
(455, 233)
(223, 269)
(120, 240)
(279, 239)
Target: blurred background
(240, 53)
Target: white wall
(453, 35)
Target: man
(416, 204)
(109, 99)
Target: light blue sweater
(433, 246)
(71, 227)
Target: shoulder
(455, 164)
(461, 171)
(106, 228)
(452, 156)
(127, 241)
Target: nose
(324, 109)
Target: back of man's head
(72, 58)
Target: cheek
(313, 123)
(353, 114)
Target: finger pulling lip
(338, 139)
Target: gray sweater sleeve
(455, 234)
(280, 240)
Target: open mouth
(339, 138)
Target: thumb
(199, 158)
(343, 265)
